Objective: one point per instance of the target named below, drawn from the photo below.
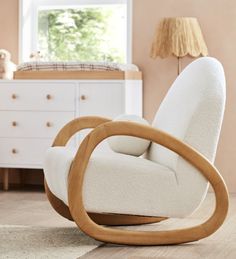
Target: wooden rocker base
(123, 220)
(90, 224)
(101, 218)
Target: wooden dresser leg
(5, 179)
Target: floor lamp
(179, 36)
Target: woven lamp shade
(180, 36)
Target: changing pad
(75, 66)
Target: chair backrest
(192, 111)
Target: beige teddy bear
(6, 66)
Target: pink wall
(9, 27)
(218, 21)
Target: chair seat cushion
(117, 183)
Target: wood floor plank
(32, 208)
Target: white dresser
(33, 111)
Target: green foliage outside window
(77, 34)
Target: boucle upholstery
(127, 144)
(193, 112)
(163, 184)
(115, 180)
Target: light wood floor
(32, 208)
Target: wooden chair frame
(61, 139)
(104, 128)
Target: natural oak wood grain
(58, 205)
(83, 75)
(122, 219)
(5, 179)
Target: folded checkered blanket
(75, 66)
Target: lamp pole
(179, 65)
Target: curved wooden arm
(61, 208)
(61, 139)
(118, 236)
(76, 125)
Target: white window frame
(28, 22)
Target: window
(68, 30)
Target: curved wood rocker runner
(104, 128)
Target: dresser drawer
(38, 97)
(32, 124)
(23, 151)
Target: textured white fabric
(164, 184)
(117, 183)
(126, 144)
(193, 112)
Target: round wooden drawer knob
(14, 151)
(14, 96)
(49, 124)
(83, 97)
(14, 124)
(49, 97)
